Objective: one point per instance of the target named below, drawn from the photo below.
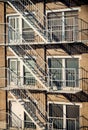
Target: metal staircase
(4, 124)
(25, 8)
(30, 105)
(37, 22)
(37, 70)
(25, 51)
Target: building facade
(44, 64)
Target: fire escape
(22, 49)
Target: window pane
(55, 72)
(72, 111)
(17, 23)
(70, 18)
(71, 72)
(58, 123)
(54, 63)
(14, 31)
(27, 32)
(28, 122)
(71, 63)
(55, 110)
(13, 65)
(12, 22)
(70, 124)
(72, 117)
(55, 29)
(14, 71)
(28, 77)
(18, 67)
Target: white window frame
(64, 110)
(62, 11)
(15, 16)
(63, 61)
(14, 58)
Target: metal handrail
(27, 95)
(10, 115)
(32, 95)
(41, 18)
(73, 29)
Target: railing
(36, 20)
(83, 29)
(17, 84)
(23, 95)
(69, 29)
(84, 79)
(27, 52)
(15, 122)
(63, 77)
(64, 123)
(3, 33)
(27, 34)
(58, 79)
(68, 79)
(29, 107)
(32, 106)
(4, 124)
(21, 123)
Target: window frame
(21, 72)
(63, 31)
(64, 104)
(17, 33)
(66, 57)
(20, 34)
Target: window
(62, 26)
(19, 30)
(63, 72)
(19, 74)
(27, 121)
(18, 117)
(14, 66)
(27, 32)
(28, 78)
(14, 30)
(64, 116)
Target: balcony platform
(68, 90)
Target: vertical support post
(45, 28)
(45, 56)
(44, 4)
(46, 108)
(44, 11)
(5, 57)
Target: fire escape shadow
(78, 97)
(74, 48)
